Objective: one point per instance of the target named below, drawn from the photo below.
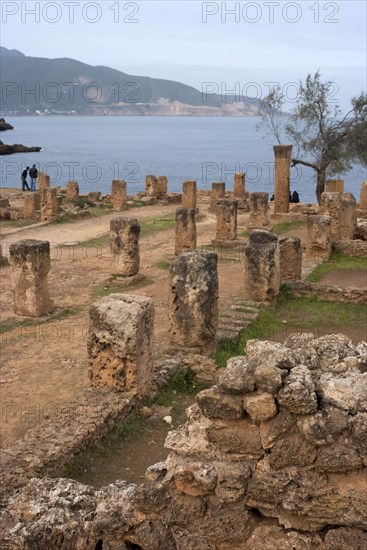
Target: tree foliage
(324, 139)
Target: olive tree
(325, 140)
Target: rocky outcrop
(17, 148)
(273, 456)
(5, 125)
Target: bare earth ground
(44, 365)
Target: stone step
(244, 308)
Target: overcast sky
(197, 42)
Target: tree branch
(304, 163)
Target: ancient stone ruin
(239, 189)
(363, 196)
(30, 264)
(32, 206)
(273, 457)
(124, 246)
(162, 186)
(262, 266)
(334, 186)
(185, 231)
(282, 155)
(348, 216)
(290, 250)
(119, 194)
(72, 190)
(193, 301)
(44, 181)
(226, 220)
(218, 192)
(49, 204)
(189, 194)
(259, 210)
(319, 237)
(120, 343)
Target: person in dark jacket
(25, 186)
(295, 197)
(33, 174)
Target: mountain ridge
(39, 85)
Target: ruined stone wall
(272, 457)
(328, 293)
(348, 247)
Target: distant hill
(37, 85)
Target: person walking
(33, 174)
(25, 186)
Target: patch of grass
(285, 227)
(163, 264)
(152, 225)
(102, 241)
(101, 210)
(135, 426)
(244, 234)
(291, 315)
(337, 261)
(113, 287)
(17, 223)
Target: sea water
(94, 150)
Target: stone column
(120, 343)
(72, 190)
(331, 205)
(239, 191)
(162, 185)
(348, 217)
(124, 246)
(259, 210)
(363, 196)
(319, 237)
(226, 220)
(189, 194)
(262, 266)
(218, 192)
(185, 237)
(30, 264)
(193, 301)
(49, 205)
(151, 186)
(290, 250)
(119, 194)
(334, 186)
(44, 181)
(32, 205)
(282, 171)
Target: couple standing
(33, 174)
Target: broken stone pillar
(44, 181)
(95, 196)
(120, 343)
(363, 196)
(239, 190)
(119, 194)
(49, 205)
(162, 185)
(282, 170)
(32, 205)
(331, 205)
(189, 194)
(151, 186)
(124, 246)
(185, 236)
(262, 266)
(334, 186)
(290, 250)
(193, 301)
(72, 190)
(30, 264)
(319, 237)
(218, 192)
(348, 216)
(259, 210)
(226, 220)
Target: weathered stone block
(259, 210)
(239, 188)
(30, 264)
(298, 393)
(193, 301)
(162, 186)
(218, 192)
(348, 216)
(331, 205)
(334, 186)
(260, 407)
(119, 194)
(323, 428)
(189, 194)
(338, 458)
(72, 190)
(238, 377)
(151, 186)
(363, 196)
(49, 205)
(282, 155)
(277, 426)
(44, 181)
(124, 246)
(319, 237)
(32, 204)
(290, 252)
(120, 343)
(213, 404)
(185, 231)
(292, 450)
(236, 437)
(268, 378)
(262, 266)
(226, 220)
